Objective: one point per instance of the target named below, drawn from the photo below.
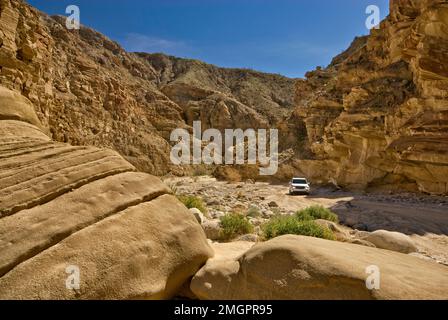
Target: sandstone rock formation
(394, 241)
(87, 90)
(376, 118)
(223, 98)
(62, 205)
(296, 267)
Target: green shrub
(316, 212)
(283, 225)
(235, 224)
(304, 216)
(173, 187)
(253, 212)
(193, 202)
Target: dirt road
(424, 218)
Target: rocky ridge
(376, 117)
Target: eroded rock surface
(296, 267)
(377, 117)
(87, 90)
(62, 206)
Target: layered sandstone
(63, 205)
(87, 90)
(377, 117)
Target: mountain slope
(87, 90)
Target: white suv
(299, 185)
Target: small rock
(198, 215)
(273, 204)
(256, 221)
(216, 214)
(360, 226)
(339, 231)
(212, 229)
(248, 237)
(212, 202)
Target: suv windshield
(299, 181)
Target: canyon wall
(377, 117)
(87, 90)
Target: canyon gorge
(86, 176)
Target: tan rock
(34, 171)
(144, 252)
(212, 229)
(394, 241)
(297, 267)
(66, 208)
(14, 106)
(361, 242)
(229, 251)
(43, 226)
(16, 131)
(375, 118)
(198, 215)
(341, 232)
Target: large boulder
(14, 106)
(297, 267)
(69, 209)
(394, 241)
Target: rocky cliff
(87, 90)
(377, 116)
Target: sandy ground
(423, 218)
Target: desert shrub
(253, 212)
(193, 202)
(200, 170)
(227, 173)
(282, 225)
(304, 216)
(316, 212)
(235, 224)
(173, 187)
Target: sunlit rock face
(377, 117)
(87, 90)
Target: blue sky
(288, 37)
